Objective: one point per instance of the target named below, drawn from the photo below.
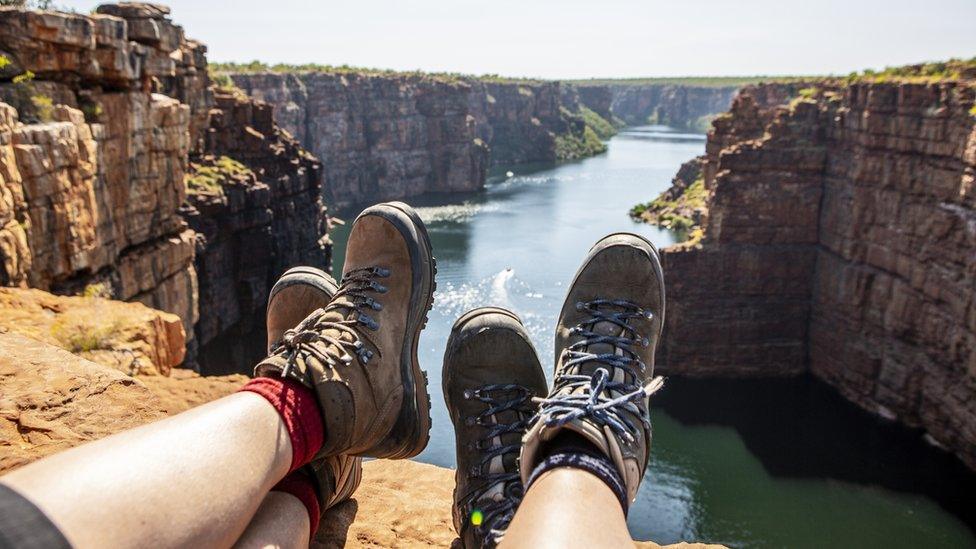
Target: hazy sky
(575, 38)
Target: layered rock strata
(387, 135)
(379, 136)
(254, 201)
(103, 113)
(840, 240)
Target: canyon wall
(254, 201)
(100, 117)
(839, 239)
(385, 136)
(380, 137)
(687, 107)
(92, 182)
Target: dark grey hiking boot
(606, 336)
(491, 373)
(298, 293)
(359, 353)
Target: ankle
(299, 412)
(300, 485)
(571, 450)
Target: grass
(43, 107)
(928, 72)
(695, 81)
(600, 126)
(669, 213)
(84, 334)
(210, 177)
(572, 147)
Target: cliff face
(840, 239)
(380, 137)
(388, 136)
(680, 106)
(91, 187)
(254, 202)
(100, 118)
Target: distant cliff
(682, 106)
(839, 239)
(387, 135)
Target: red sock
(298, 484)
(299, 410)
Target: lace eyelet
(376, 287)
(468, 394)
(580, 305)
(381, 272)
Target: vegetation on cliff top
(695, 81)
(600, 126)
(953, 69)
(210, 176)
(679, 213)
(452, 77)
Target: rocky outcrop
(254, 202)
(105, 112)
(92, 184)
(51, 400)
(840, 240)
(129, 337)
(390, 135)
(379, 136)
(686, 107)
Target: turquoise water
(748, 464)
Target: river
(782, 463)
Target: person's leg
(194, 479)
(585, 454)
(281, 522)
(568, 508)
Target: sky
(583, 39)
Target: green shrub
(24, 78)
(43, 107)
(210, 177)
(600, 126)
(80, 335)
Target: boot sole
(411, 431)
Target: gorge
(825, 253)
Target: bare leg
(194, 479)
(280, 523)
(568, 508)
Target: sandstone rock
(840, 240)
(380, 137)
(51, 400)
(128, 337)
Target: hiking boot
(359, 353)
(491, 373)
(298, 293)
(335, 478)
(606, 336)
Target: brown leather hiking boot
(491, 373)
(607, 332)
(359, 353)
(298, 293)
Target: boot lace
(498, 398)
(353, 299)
(597, 396)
